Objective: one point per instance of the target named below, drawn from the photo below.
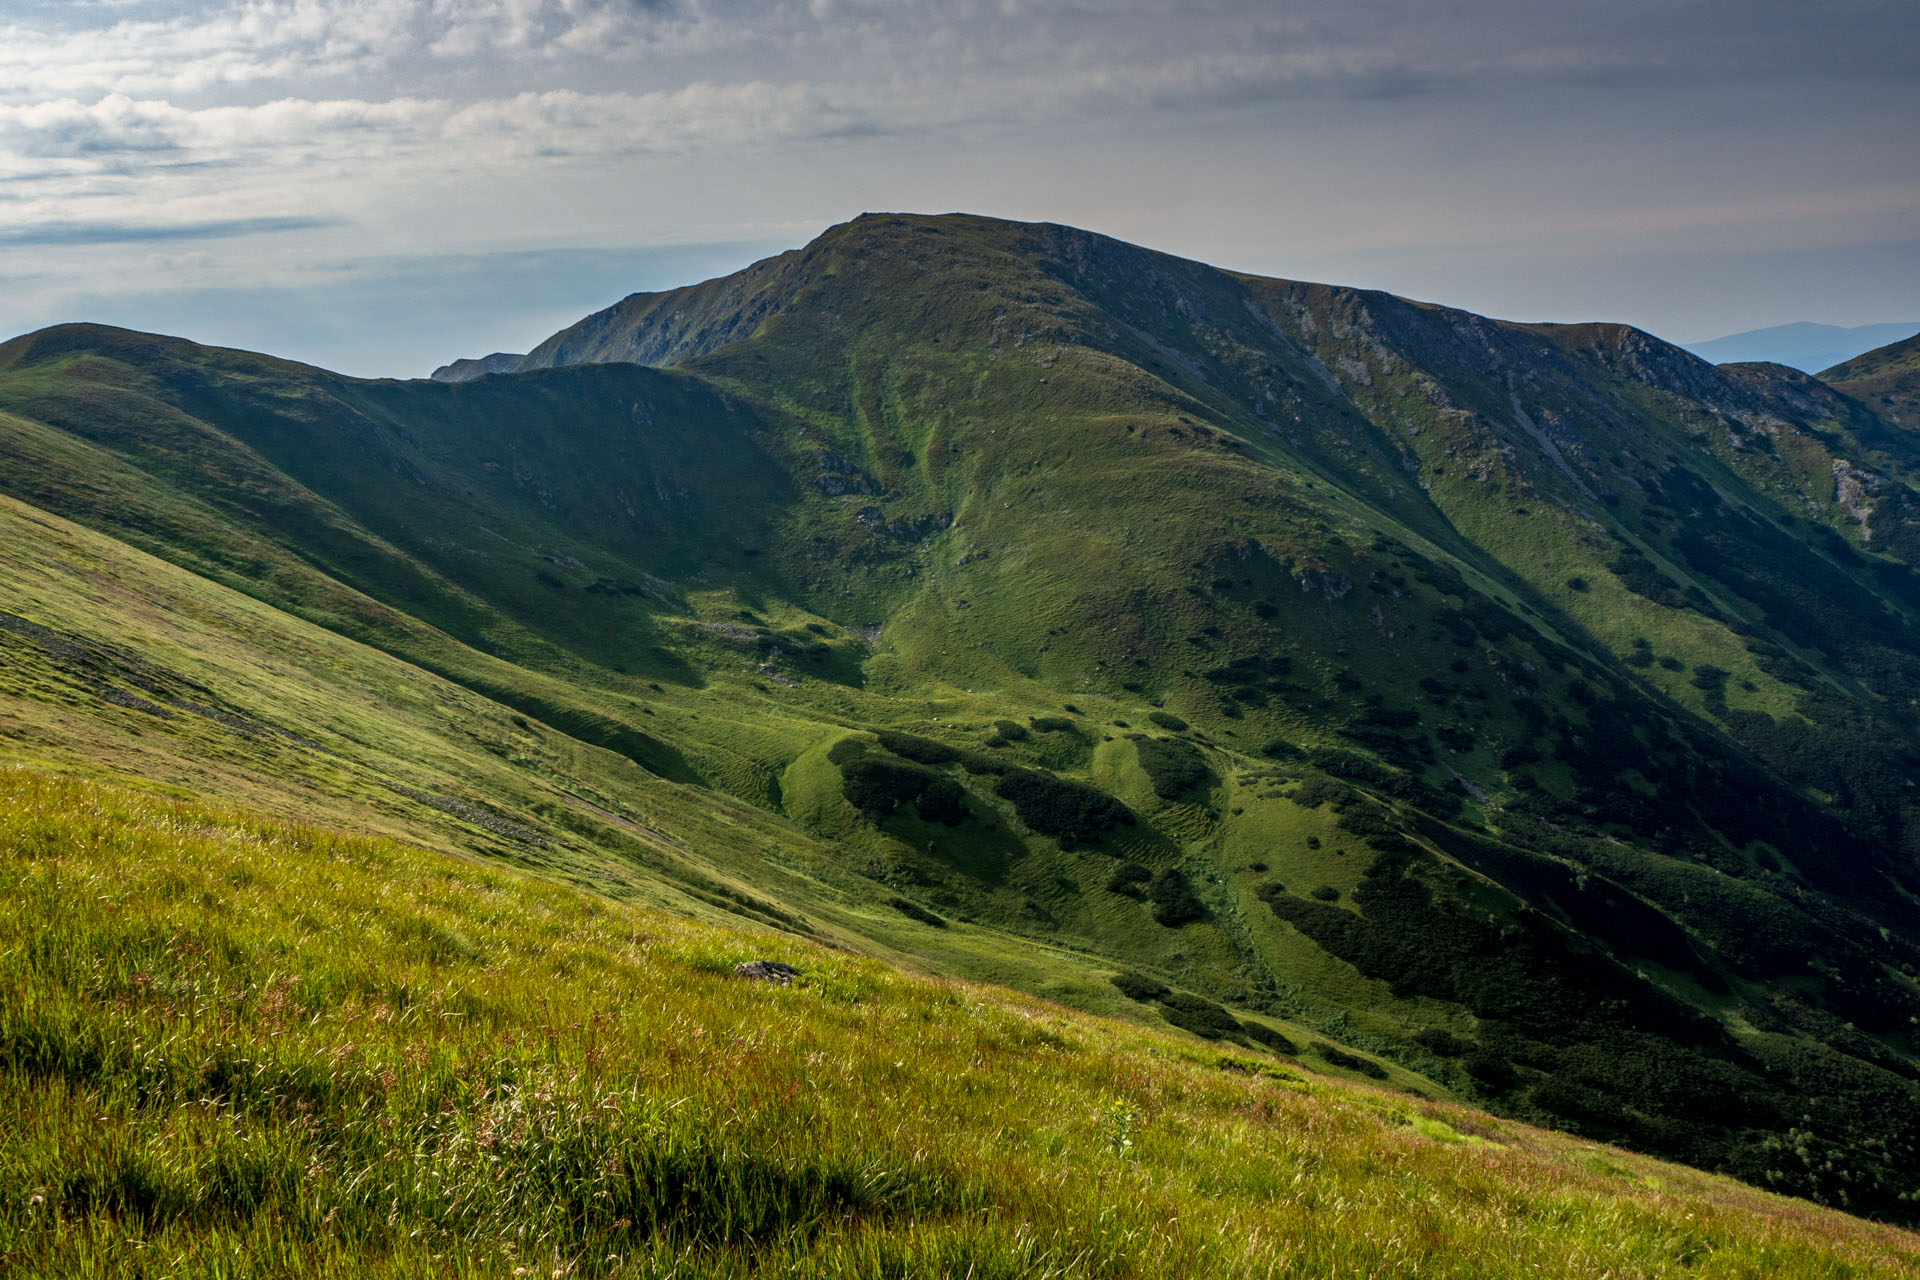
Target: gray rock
(766, 971)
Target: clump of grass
(234, 1045)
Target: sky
(380, 186)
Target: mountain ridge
(973, 564)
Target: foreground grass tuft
(231, 1046)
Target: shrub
(1317, 790)
(923, 750)
(1138, 986)
(1171, 723)
(1495, 1074)
(1127, 878)
(1051, 724)
(914, 911)
(1173, 766)
(976, 763)
(1334, 1056)
(1441, 1041)
(1053, 806)
(1326, 893)
(1710, 678)
(1261, 1034)
(1011, 730)
(1199, 1015)
(1174, 903)
(877, 787)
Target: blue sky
(383, 185)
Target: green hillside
(1887, 380)
(238, 1045)
(1522, 713)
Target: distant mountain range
(1803, 346)
(1530, 713)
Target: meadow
(237, 1045)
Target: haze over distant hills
(1519, 713)
(1803, 346)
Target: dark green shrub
(1174, 903)
(1173, 766)
(1011, 730)
(1053, 806)
(1261, 1034)
(1280, 749)
(1199, 1015)
(1171, 723)
(1051, 724)
(914, 911)
(1317, 790)
(877, 787)
(1334, 1056)
(1128, 878)
(1326, 893)
(922, 750)
(1138, 986)
(1710, 678)
(846, 749)
(976, 763)
(1441, 1041)
(1495, 1074)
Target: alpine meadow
(966, 748)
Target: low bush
(1138, 986)
(1173, 766)
(1441, 1041)
(1171, 723)
(1199, 1015)
(1128, 878)
(1174, 903)
(1053, 806)
(912, 747)
(1265, 1035)
(1335, 1056)
(877, 787)
(914, 911)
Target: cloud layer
(341, 128)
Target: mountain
(1526, 712)
(1803, 346)
(1887, 380)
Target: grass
(606, 625)
(236, 1045)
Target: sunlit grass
(231, 1045)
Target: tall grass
(234, 1046)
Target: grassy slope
(118, 661)
(1887, 379)
(234, 1045)
(1054, 471)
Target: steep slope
(246, 1045)
(1888, 380)
(1527, 706)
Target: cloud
(83, 233)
